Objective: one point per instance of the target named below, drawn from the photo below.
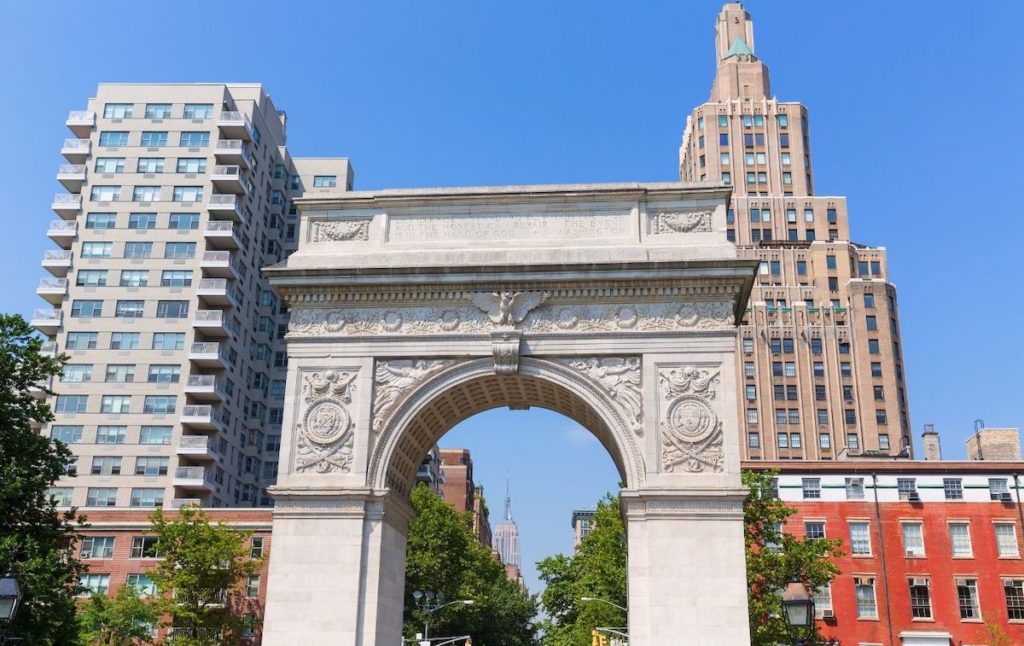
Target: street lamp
(10, 597)
(798, 605)
(605, 601)
(431, 602)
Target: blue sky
(913, 116)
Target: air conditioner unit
(86, 555)
(1006, 497)
(828, 613)
(863, 580)
(919, 582)
(913, 496)
(911, 553)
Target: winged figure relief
(507, 308)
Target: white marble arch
(414, 309)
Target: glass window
(198, 111)
(723, 121)
(142, 221)
(94, 583)
(168, 340)
(906, 487)
(134, 278)
(876, 369)
(111, 434)
(723, 139)
(112, 138)
(967, 598)
(188, 194)
(61, 496)
(164, 373)
(109, 165)
(159, 404)
(913, 539)
(866, 606)
(327, 181)
(180, 250)
(115, 404)
(782, 440)
(752, 416)
(814, 529)
(100, 221)
(754, 440)
(117, 111)
(960, 539)
(120, 373)
(184, 221)
(124, 340)
(129, 309)
(751, 392)
(155, 435)
(954, 488)
(256, 547)
(252, 586)
(106, 466)
(920, 599)
(97, 249)
(1006, 540)
(172, 309)
(151, 466)
(154, 139)
(138, 249)
(91, 277)
(883, 441)
(811, 488)
(787, 178)
(997, 487)
(822, 416)
(144, 547)
(143, 585)
(101, 497)
(66, 433)
(860, 538)
(86, 308)
(824, 440)
(146, 194)
(192, 165)
(194, 139)
(150, 165)
(176, 278)
(158, 110)
(852, 441)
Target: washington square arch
(613, 304)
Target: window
(109, 165)
(144, 547)
(129, 309)
(180, 250)
(330, 181)
(143, 585)
(176, 278)
(164, 374)
(154, 139)
(723, 139)
(751, 392)
(780, 416)
(782, 440)
(876, 369)
(920, 599)
(811, 488)
(106, 466)
(101, 221)
(819, 369)
(111, 434)
(997, 487)
(147, 496)
(138, 249)
(1014, 591)
(158, 110)
(155, 435)
(61, 496)
(748, 345)
(183, 221)
(752, 416)
(855, 488)
(822, 415)
(66, 434)
(753, 440)
(865, 590)
(256, 547)
(869, 300)
(790, 367)
(198, 111)
(801, 267)
(879, 393)
(953, 488)
(112, 138)
(860, 538)
(748, 369)
(824, 440)
(77, 372)
(81, 341)
(883, 441)
(94, 584)
(97, 249)
(960, 539)
(149, 165)
(192, 165)
(723, 159)
(134, 278)
(871, 322)
(172, 309)
(124, 341)
(159, 404)
(880, 417)
(967, 598)
(194, 139)
(913, 539)
(906, 487)
(117, 111)
(850, 416)
(814, 529)
(101, 497)
(188, 194)
(115, 404)
(168, 340)
(82, 308)
(723, 121)
(1006, 541)
(120, 373)
(151, 466)
(142, 221)
(252, 586)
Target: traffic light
(597, 639)
(469, 641)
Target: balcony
(199, 478)
(233, 151)
(71, 176)
(210, 322)
(178, 503)
(196, 447)
(46, 321)
(224, 206)
(41, 389)
(57, 261)
(207, 355)
(216, 291)
(218, 264)
(202, 417)
(52, 290)
(62, 232)
(48, 349)
(221, 235)
(81, 122)
(229, 179)
(67, 205)
(235, 125)
(203, 388)
(76, 151)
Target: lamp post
(430, 602)
(604, 601)
(10, 598)
(798, 605)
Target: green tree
(598, 570)
(202, 567)
(443, 555)
(774, 558)
(36, 540)
(122, 620)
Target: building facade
(820, 356)
(506, 540)
(462, 492)
(177, 196)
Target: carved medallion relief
(691, 430)
(325, 428)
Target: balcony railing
(62, 226)
(219, 225)
(190, 473)
(76, 146)
(194, 442)
(81, 116)
(67, 200)
(49, 348)
(205, 348)
(201, 381)
(210, 316)
(223, 200)
(216, 256)
(228, 117)
(178, 503)
(56, 255)
(229, 171)
(71, 169)
(204, 410)
(53, 283)
(213, 284)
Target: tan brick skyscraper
(822, 366)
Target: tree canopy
(125, 619)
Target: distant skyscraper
(506, 534)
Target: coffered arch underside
(471, 387)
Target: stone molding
(325, 430)
(691, 429)
(681, 222)
(395, 378)
(340, 230)
(620, 378)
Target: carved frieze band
(340, 230)
(619, 377)
(325, 427)
(525, 311)
(681, 222)
(393, 380)
(691, 431)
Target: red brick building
(459, 489)
(933, 549)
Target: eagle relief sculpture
(507, 308)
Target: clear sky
(913, 109)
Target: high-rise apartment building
(820, 356)
(506, 540)
(177, 196)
